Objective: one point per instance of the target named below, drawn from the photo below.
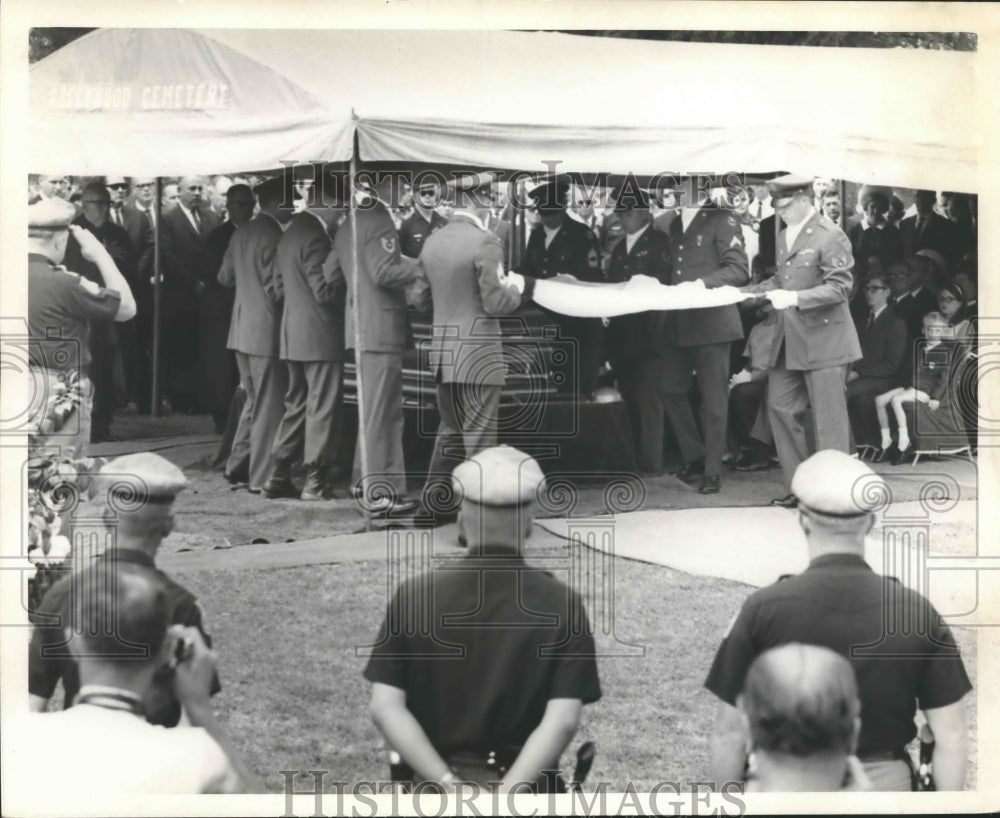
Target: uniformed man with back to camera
(902, 652)
(491, 686)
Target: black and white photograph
(574, 408)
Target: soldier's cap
(551, 195)
(838, 485)
(629, 197)
(789, 185)
(142, 477)
(499, 477)
(50, 215)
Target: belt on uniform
(887, 755)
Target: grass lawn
(294, 697)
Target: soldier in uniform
(816, 339)
(635, 344)
(62, 305)
(423, 221)
(381, 280)
(561, 245)
(141, 489)
(841, 604)
(706, 245)
(491, 686)
(458, 276)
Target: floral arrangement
(56, 482)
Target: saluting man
(816, 339)
(561, 245)
(490, 686)
(706, 246)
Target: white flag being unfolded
(570, 296)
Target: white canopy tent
(501, 99)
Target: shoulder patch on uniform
(737, 241)
(89, 285)
(731, 221)
(389, 245)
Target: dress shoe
(788, 501)
(746, 463)
(695, 468)
(709, 484)
(904, 456)
(280, 487)
(254, 489)
(237, 478)
(392, 507)
(314, 485)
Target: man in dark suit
(95, 206)
(219, 372)
(635, 344)
(458, 277)
(816, 339)
(883, 339)
(880, 239)
(928, 230)
(381, 277)
(561, 245)
(706, 246)
(185, 262)
(312, 346)
(911, 299)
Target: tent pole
(356, 316)
(154, 409)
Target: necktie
(197, 220)
(760, 209)
(921, 225)
(116, 212)
(871, 320)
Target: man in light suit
(381, 277)
(183, 243)
(458, 276)
(254, 335)
(816, 339)
(312, 346)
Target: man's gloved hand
(511, 279)
(783, 299)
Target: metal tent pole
(157, 263)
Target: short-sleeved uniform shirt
(415, 230)
(480, 647)
(61, 307)
(49, 660)
(903, 655)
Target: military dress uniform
(575, 251)
(492, 641)
(457, 275)
(62, 307)
(381, 280)
(711, 250)
(903, 654)
(415, 230)
(815, 341)
(635, 346)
